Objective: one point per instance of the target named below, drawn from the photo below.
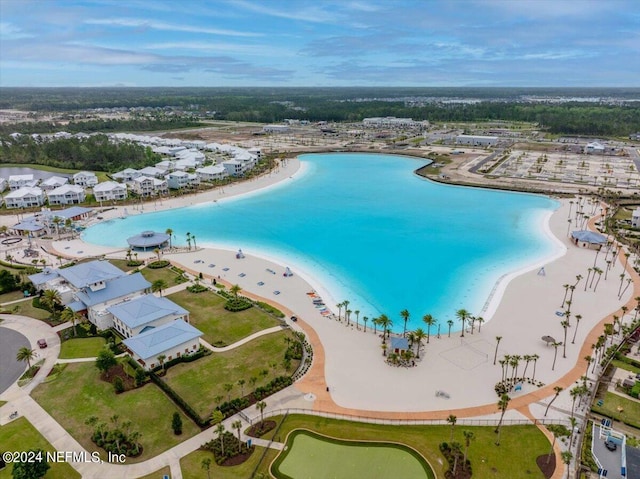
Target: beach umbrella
(548, 339)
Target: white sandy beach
(355, 370)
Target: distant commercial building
(476, 140)
(275, 128)
(393, 122)
(635, 218)
(594, 148)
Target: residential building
(53, 182)
(180, 179)
(211, 173)
(110, 191)
(3, 184)
(86, 179)
(137, 316)
(142, 186)
(152, 172)
(66, 195)
(25, 197)
(171, 340)
(126, 175)
(20, 181)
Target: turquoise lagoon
(365, 228)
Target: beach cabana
(148, 240)
(588, 239)
(398, 345)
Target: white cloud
(8, 31)
(174, 27)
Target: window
(170, 358)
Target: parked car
(612, 446)
(42, 343)
(294, 318)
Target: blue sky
(319, 43)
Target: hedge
(158, 264)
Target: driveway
(11, 370)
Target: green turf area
(312, 456)
(628, 367)
(12, 296)
(191, 465)
(78, 394)
(199, 382)
(166, 274)
(26, 308)
(81, 347)
(619, 408)
(515, 458)
(122, 264)
(20, 435)
(221, 327)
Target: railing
(410, 422)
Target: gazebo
(588, 239)
(148, 240)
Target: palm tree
(357, 313)
(418, 336)
(462, 315)
(404, 314)
(498, 339)
(158, 285)
(375, 322)
(557, 390)
(189, 240)
(503, 403)
(237, 425)
(260, 406)
(450, 323)
(235, 290)
(51, 299)
(534, 358)
(26, 354)
(339, 306)
(193, 238)
(468, 437)
(480, 320)
(558, 430)
(364, 320)
(347, 314)
(452, 420)
(169, 231)
(69, 314)
(429, 321)
(161, 359)
(565, 326)
(566, 459)
(385, 323)
(228, 387)
(555, 345)
(220, 430)
(578, 318)
(206, 465)
(345, 303)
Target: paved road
(633, 463)
(11, 369)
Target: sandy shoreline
(523, 304)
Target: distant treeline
(95, 153)
(105, 126)
(268, 105)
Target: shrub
(197, 288)
(270, 309)
(232, 447)
(237, 304)
(176, 424)
(158, 264)
(118, 385)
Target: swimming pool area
(370, 231)
(313, 456)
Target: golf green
(308, 455)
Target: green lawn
(313, 456)
(622, 365)
(12, 296)
(122, 264)
(630, 409)
(78, 393)
(166, 274)
(26, 308)
(20, 435)
(81, 347)
(515, 458)
(221, 327)
(191, 465)
(199, 382)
